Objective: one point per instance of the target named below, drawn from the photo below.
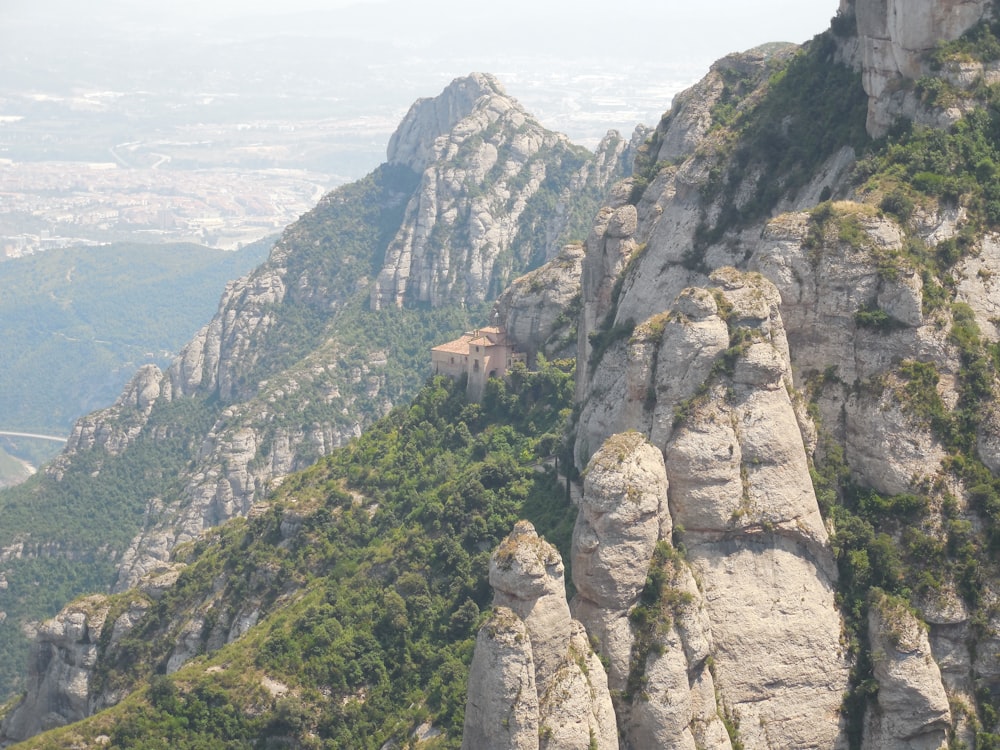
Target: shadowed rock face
(63, 657)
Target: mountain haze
(760, 510)
(69, 347)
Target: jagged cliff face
(733, 337)
(539, 309)
(783, 537)
(495, 193)
(735, 479)
(474, 193)
(894, 39)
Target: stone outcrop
(63, 657)
(713, 366)
(533, 666)
(502, 707)
(113, 429)
(485, 164)
(221, 353)
(912, 709)
(537, 309)
(657, 664)
(414, 143)
(622, 516)
(707, 382)
(895, 37)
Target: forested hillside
(77, 322)
(297, 360)
(364, 579)
(779, 446)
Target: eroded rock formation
(484, 164)
(63, 657)
(912, 709)
(895, 38)
(534, 668)
(539, 309)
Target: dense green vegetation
(331, 253)
(327, 361)
(980, 43)
(381, 586)
(947, 166)
(89, 515)
(76, 323)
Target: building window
(477, 348)
(475, 364)
(453, 360)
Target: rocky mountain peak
(429, 118)
(489, 175)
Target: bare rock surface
(531, 630)
(912, 710)
(483, 160)
(414, 141)
(895, 37)
(737, 483)
(502, 707)
(537, 308)
(622, 516)
(63, 657)
(113, 429)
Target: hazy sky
(398, 50)
(631, 28)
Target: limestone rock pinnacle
(535, 681)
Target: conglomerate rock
(534, 666)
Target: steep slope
(787, 375)
(784, 460)
(295, 362)
(493, 196)
(342, 613)
(69, 349)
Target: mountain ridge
(293, 365)
(780, 461)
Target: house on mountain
(480, 354)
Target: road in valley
(54, 438)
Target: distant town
(44, 205)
